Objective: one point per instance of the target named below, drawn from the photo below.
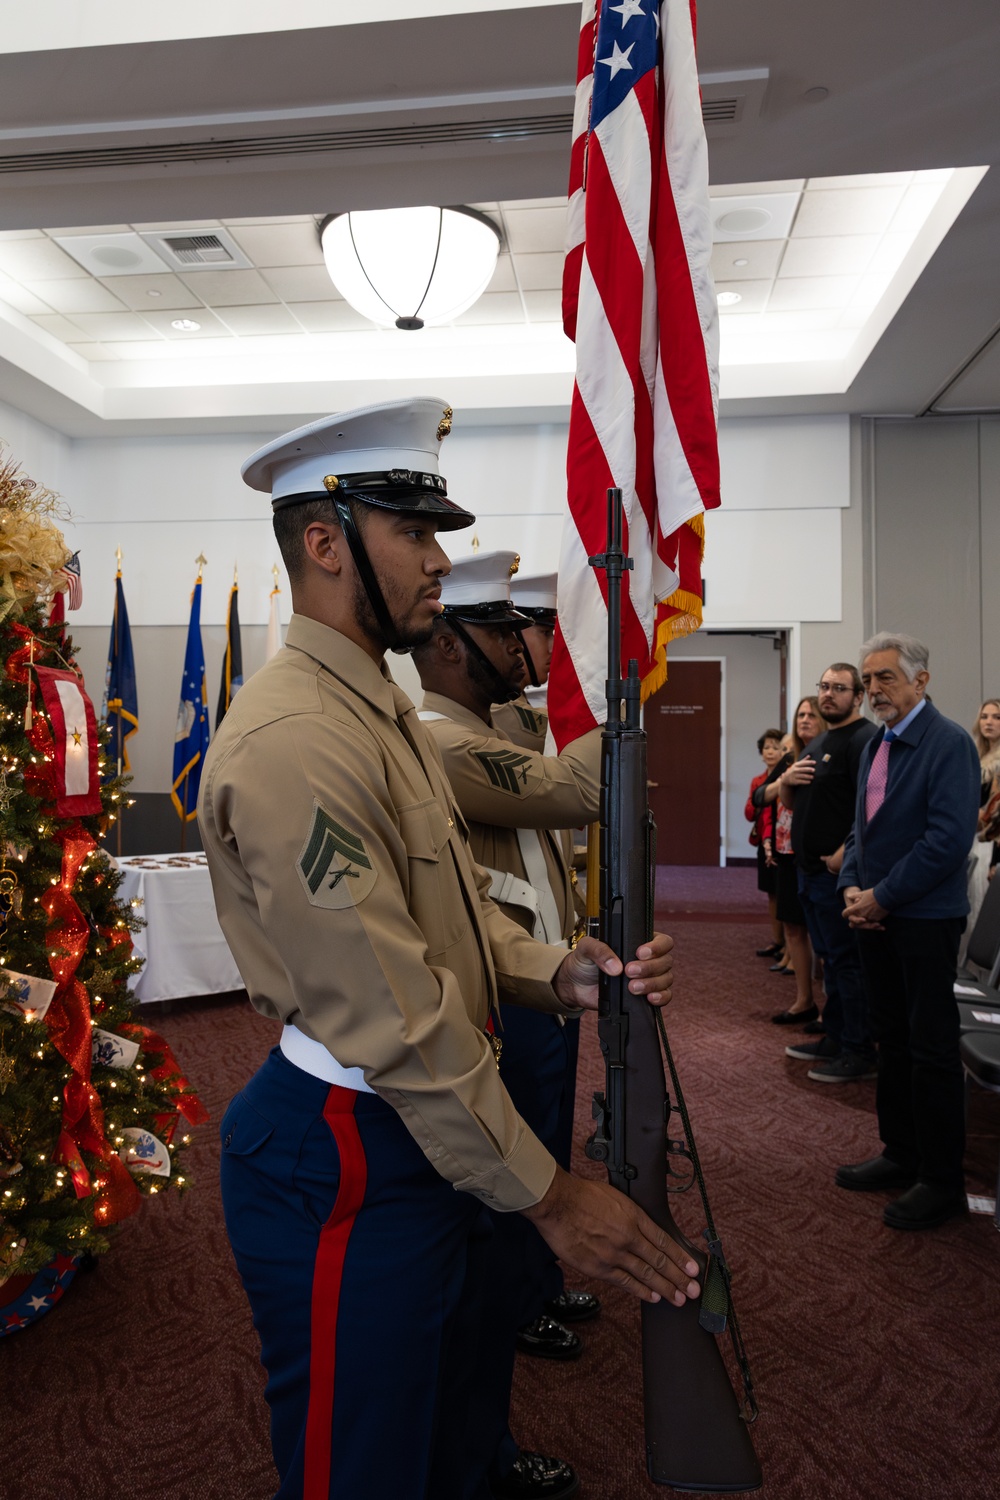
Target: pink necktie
(877, 777)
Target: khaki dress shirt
(355, 912)
(501, 786)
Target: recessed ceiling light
(154, 293)
(185, 325)
(741, 262)
(744, 220)
(729, 299)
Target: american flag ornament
(639, 301)
(74, 584)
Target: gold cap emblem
(331, 482)
(444, 426)
(515, 564)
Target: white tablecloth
(182, 941)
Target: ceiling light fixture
(409, 267)
(729, 299)
(185, 325)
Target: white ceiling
(857, 295)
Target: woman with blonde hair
(986, 734)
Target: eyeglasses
(834, 687)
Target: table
(182, 942)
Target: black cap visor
(497, 612)
(400, 490)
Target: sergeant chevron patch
(530, 721)
(507, 769)
(334, 866)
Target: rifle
(697, 1435)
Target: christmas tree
(93, 1108)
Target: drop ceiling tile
(738, 189)
(82, 295)
(492, 307)
(828, 255)
(533, 230)
(544, 307)
(22, 234)
(96, 352)
(37, 260)
(759, 260)
(209, 326)
(20, 299)
(863, 180)
(264, 219)
(503, 276)
(539, 273)
(752, 295)
(846, 211)
(229, 288)
(280, 244)
(91, 229)
(138, 292)
(918, 200)
(114, 328)
(59, 327)
(752, 216)
(812, 292)
(256, 320)
(331, 317)
(300, 283)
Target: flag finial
(275, 573)
(201, 561)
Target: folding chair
(981, 1060)
(983, 952)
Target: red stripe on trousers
(338, 1112)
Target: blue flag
(120, 710)
(191, 739)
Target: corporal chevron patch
(334, 866)
(507, 769)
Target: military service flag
(191, 739)
(120, 710)
(232, 662)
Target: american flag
(74, 584)
(639, 301)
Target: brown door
(683, 723)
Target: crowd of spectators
(876, 836)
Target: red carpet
(875, 1353)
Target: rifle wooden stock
(696, 1438)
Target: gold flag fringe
(685, 620)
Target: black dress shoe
(877, 1175)
(815, 1028)
(549, 1340)
(795, 1017)
(778, 968)
(925, 1207)
(535, 1477)
(771, 952)
(573, 1307)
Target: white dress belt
(312, 1057)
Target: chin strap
(460, 630)
(366, 573)
(528, 659)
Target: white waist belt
(312, 1057)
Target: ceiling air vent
(732, 101)
(197, 249)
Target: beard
(407, 636)
(491, 682)
(837, 715)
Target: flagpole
(118, 820)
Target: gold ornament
(8, 1073)
(7, 792)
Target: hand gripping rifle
(697, 1435)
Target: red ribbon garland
(188, 1104)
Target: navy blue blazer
(915, 851)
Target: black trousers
(909, 971)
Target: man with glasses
(821, 789)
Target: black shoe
(849, 1067)
(549, 1340)
(795, 1017)
(771, 952)
(815, 1028)
(778, 967)
(877, 1175)
(925, 1207)
(814, 1051)
(535, 1477)
(573, 1307)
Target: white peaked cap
(394, 435)
(538, 592)
(483, 578)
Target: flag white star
(628, 9)
(37, 1303)
(618, 58)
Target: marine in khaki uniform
(358, 918)
(513, 799)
